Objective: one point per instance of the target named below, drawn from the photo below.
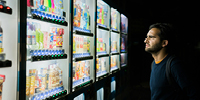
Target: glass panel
(82, 15)
(81, 46)
(102, 66)
(47, 65)
(114, 62)
(102, 13)
(123, 59)
(115, 19)
(123, 43)
(81, 72)
(124, 24)
(102, 41)
(115, 42)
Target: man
(159, 43)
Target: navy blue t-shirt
(159, 85)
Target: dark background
(184, 15)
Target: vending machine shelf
(48, 57)
(123, 51)
(48, 18)
(100, 26)
(115, 70)
(52, 94)
(114, 53)
(123, 65)
(115, 31)
(82, 58)
(83, 85)
(83, 33)
(102, 55)
(102, 75)
(56, 22)
(123, 33)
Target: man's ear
(164, 43)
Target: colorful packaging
(87, 68)
(1, 39)
(41, 39)
(77, 75)
(103, 64)
(85, 45)
(88, 44)
(114, 46)
(74, 70)
(2, 79)
(122, 44)
(45, 39)
(28, 83)
(81, 44)
(32, 87)
(104, 47)
(59, 41)
(30, 3)
(74, 44)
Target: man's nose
(145, 40)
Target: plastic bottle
(41, 39)
(37, 36)
(88, 18)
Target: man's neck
(160, 55)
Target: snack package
(2, 79)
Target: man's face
(153, 43)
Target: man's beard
(154, 49)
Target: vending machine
(102, 48)
(124, 39)
(115, 50)
(123, 77)
(115, 40)
(47, 49)
(83, 67)
(102, 39)
(8, 49)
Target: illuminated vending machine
(8, 49)
(115, 40)
(115, 48)
(83, 69)
(47, 49)
(102, 45)
(123, 79)
(124, 37)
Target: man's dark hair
(167, 32)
